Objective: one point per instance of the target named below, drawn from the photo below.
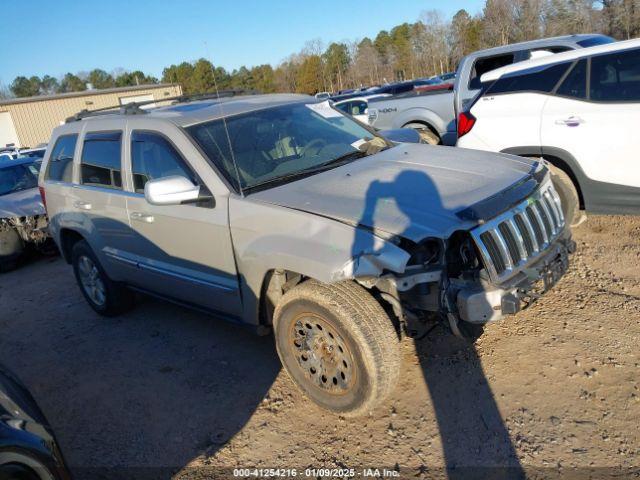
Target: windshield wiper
(336, 162)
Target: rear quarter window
(60, 166)
(543, 81)
(484, 65)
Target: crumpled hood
(411, 190)
(24, 203)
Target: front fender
(268, 237)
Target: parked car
(28, 447)
(22, 215)
(358, 107)
(446, 77)
(580, 110)
(435, 114)
(280, 212)
(36, 153)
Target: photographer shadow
(475, 440)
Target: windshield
(282, 143)
(17, 177)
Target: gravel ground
(163, 391)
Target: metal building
(27, 122)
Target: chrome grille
(513, 240)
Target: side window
(484, 65)
(152, 157)
(575, 84)
(616, 77)
(344, 107)
(535, 81)
(101, 159)
(61, 161)
(358, 108)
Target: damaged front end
(479, 275)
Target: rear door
(97, 202)
(595, 116)
(183, 252)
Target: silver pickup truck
(433, 111)
(281, 213)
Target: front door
(183, 252)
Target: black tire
(117, 298)
(568, 196)
(426, 135)
(338, 345)
(11, 247)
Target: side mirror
(401, 135)
(172, 190)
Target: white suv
(580, 110)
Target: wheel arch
(558, 158)
(68, 238)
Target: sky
(70, 36)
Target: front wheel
(338, 345)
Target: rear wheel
(568, 196)
(426, 135)
(338, 345)
(105, 296)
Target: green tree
(72, 83)
(100, 79)
(309, 77)
(336, 60)
(25, 87)
(263, 79)
(180, 74)
(203, 79)
(403, 64)
(136, 77)
(49, 85)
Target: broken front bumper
(481, 305)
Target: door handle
(570, 122)
(82, 205)
(141, 217)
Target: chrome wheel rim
(91, 280)
(322, 354)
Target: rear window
(101, 159)
(484, 65)
(542, 81)
(616, 77)
(61, 161)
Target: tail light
(43, 196)
(466, 121)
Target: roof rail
(135, 108)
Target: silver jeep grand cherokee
(282, 213)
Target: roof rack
(135, 108)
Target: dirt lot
(553, 390)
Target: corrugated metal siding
(34, 120)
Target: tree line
(432, 45)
